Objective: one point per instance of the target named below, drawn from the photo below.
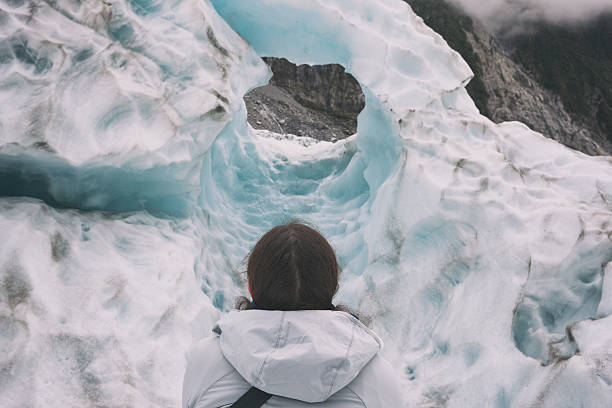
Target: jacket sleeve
(205, 366)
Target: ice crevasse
(132, 188)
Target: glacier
(132, 189)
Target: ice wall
(108, 106)
(134, 91)
(482, 251)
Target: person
(290, 344)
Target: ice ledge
(165, 191)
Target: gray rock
(320, 101)
(514, 95)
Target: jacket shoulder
(205, 366)
(378, 385)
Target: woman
(289, 346)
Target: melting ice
(133, 188)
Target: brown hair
(292, 267)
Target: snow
(94, 306)
(482, 251)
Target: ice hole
(318, 101)
(252, 180)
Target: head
(293, 267)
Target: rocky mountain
(576, 64)
(320, 101)
(557, 80)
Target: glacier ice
(115, 89)
(93, 307)
(482, 251)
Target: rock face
(576, 64)
(514, 94)
(320, 101)
(526, 77)
(322, 87)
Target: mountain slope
(525, 78)
(576, 64)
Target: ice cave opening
(253, 179)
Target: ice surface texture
(482, 251)
(95, 307)
(110, 89)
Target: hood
(306, 355)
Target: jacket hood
(306, 355)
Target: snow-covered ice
(483, 252)
(95, 306)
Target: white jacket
(303, 358)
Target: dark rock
(320, 101)
(322, 87)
